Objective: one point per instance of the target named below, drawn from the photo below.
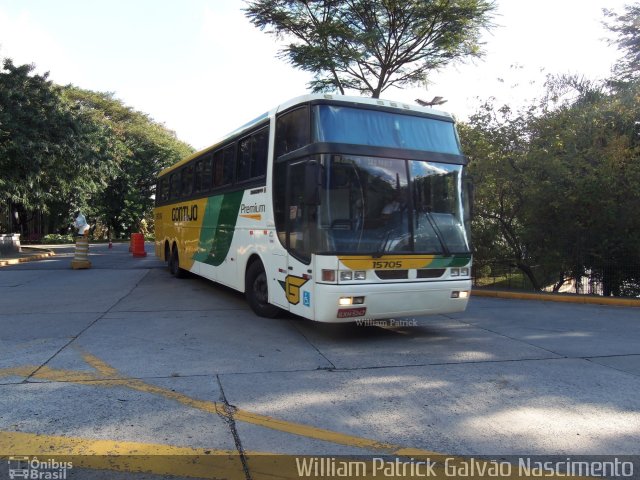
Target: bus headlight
(454, 272)
(348, 275)
(464, 272)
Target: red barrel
(137, 245)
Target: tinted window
(292, 131)
(252, 155)
(218, 168)
(384, 129)
(228, 164)
(223, 163)
(175, 185)
(187, 180)
(207, 173)
(197, 181)
(260, 152)
(244, 159)
(163, 189)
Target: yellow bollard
(80, 257)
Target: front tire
(257, 291)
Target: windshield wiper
(438, 233)
(380, 252)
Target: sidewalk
(557, 297)
(28, 254)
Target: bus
(334, 208)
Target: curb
(31, 258)
(551, 297)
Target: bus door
(301, 235)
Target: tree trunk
(610, 284)
(526, 269)
(561, 281)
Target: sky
(200, 68)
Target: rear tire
(174, 265)
(257, 291)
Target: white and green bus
(334, 208)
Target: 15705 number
(384, 264)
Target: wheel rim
(260, 288)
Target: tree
(626, 26)
(371, 45)
(46, 149)
(558, 183)
(495, 141)
(138, 148)
(64, 148)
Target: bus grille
(392, 274)
(430, 272)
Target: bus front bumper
(390, 300)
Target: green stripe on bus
(218, 226)
(453, 261)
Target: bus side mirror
(312, 183)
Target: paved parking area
(123, 358)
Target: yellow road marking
(160, 459)
(106, 375)
(182, 461)
(125, 456)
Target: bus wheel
(257, 291)
(174, 265)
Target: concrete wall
(9, 243)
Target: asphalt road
(123, 358)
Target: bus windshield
(373, 128)
(374, 205)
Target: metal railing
(604, 279)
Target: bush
(56, 238)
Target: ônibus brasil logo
(32, 468)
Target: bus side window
(259, 153)
(207, 172)
(218, 166)
(164, 189)
(244, 159)
(252, 155)
(187, 180)
(292, 131)
(228, 164)
(197, 177)
(175, 185)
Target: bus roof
(401, 106)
